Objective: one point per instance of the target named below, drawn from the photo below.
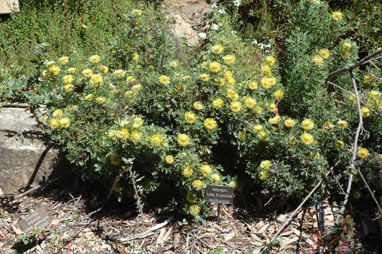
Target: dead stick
(299, 207)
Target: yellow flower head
(275, 120)
(250, 103)
(198, 105)
(232, 184)
(191, 198)
(104, 69)
(235, 106)
(272, 107)
(87, 73)
(220, 82)
(54, 124)
(210, 124)
(365, 112)
(68, 79)
(262, 136)
(123, 134)
(206, 170)
(187, 171)
(204, 77)
(232, 95)
(270, 60)
(307, 139)
(119, 73)
(89, 97)
(164, 80)
(290, 123)
(215, 67)
(215, 178)
(72, 70)
(374, 94)
(137, 12)
(63, 60)
(130, 79)
(342, 124)
(266, 70)
(258, 111)
(183, 140)
(267, 82)
(190, 117)
(325, 53)
(136, 136)
(135, 56)
(57, 113)
(197, 184)
(169, 159)
(264, 175)
(227, 74)
(65, 122)
(352, 98)
(194, 210)
(265, 165)
(363, 153)
(115, 159)
(136, 88)
(318, 60)
(307, 124)
(257, 127)
(95, 59)
(96, 79)
(156, 140)
(173, 64)
(252, 85)
(217, 49)
(100, 100)
(279, 94)
(217, 104)
(328, 126)
(339, 144)
(68, 87)
(54, 69)
(229, 59)
(337, 16)
(138, 122)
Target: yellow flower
(54, 124)
(129, 94)
(68, 79)
(229, 59)
(262, 136)
(136, 87)
(241, 135)
(217, 104)
(55, 70)
(342, 124)
(119, 73)
(266, 69)
(250, 103)
(318, 60)
(68, 87)
(123, 134)
(270, 60)
(57, 113)
(365, 112)
(137, 12)
(72, 70)
(43, 119)
(180, 88)
(339, 144)
(258, 111)
(205, 64)
(169, 159)
(164, 80)
(232, 184)
(215, 178)
(337, 16)
(217, 49)
(100, 100)
(264, 175)
(196, 184)
(257, 127)
(290, 123)
(227, 74)
(65, 122)
(307, 124)
(183, 140)
(252, 85)
(50, 63)
(173, 64)
(325, 53)
(206, 170)
(363, 153)
(135, 56)
(191, 197)
(94, 59)
(275, 120)
(374, 94)
(138, 122)
(74, 107)
(231, 94)
(267, 82)
(272, 108)
(198, 105)
(104, 69)
(156, 139)
(210, 124)
(345, 50)
(115, 159)
(187, 171)
(204, 77)
(130, 79)
(265, 165)
(194, 210)
(220, 82)
(87, 73)
(136, 136)
(190, 117)
(328, 126)
(215, 67)
(307, 139)
(352, 98)
(235, 106)
(292, 141)
(63, 60)
(279, 94)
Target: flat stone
(26, 156)
(8, 6)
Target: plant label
(39, 219)
(219, 194)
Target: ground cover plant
(171, 114)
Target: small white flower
(203, 35)
(237, 2)
(261, 45)
(234, 32)
(214, 5)
(254, 42)
(267, 46)
(214, 27)
(221, 11)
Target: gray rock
(26, 158)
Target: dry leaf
(263, 229)
(17, 230)
(287, 243)
(161, 234)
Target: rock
(26, 157)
